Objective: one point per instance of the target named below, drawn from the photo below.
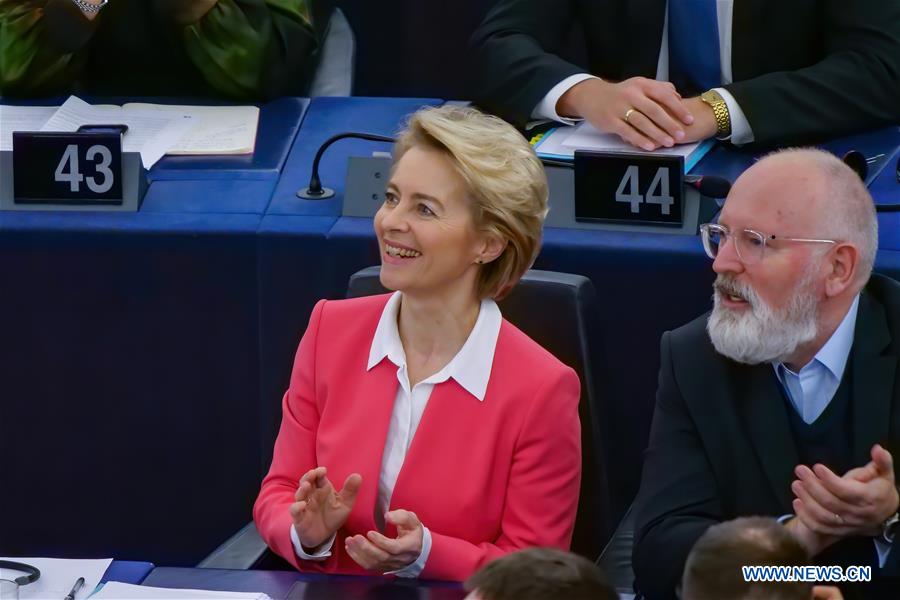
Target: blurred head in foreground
(540, 574)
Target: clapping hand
(855, 504)
(320, 510)
(377, 552)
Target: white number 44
(67, 170)
(658, 192)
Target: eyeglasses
(749, 244)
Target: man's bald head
(824, 197)
(801, 244)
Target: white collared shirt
(470, 368)
(741, 133)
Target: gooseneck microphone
(315, 191)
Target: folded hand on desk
(320, 510)
(645, 113)
(377, 552)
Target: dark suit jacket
(721, 446)
(803, 69)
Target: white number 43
(67, 170)
(658, 192)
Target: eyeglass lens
(748, 244)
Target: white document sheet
(586, 137)
(561, 143)
(126, 591)
(152, 133)
(58, 575)
(21, 118)
(216, 130)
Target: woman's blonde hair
(505, 181)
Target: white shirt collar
(471, 367)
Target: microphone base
(323, 195)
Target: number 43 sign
(67, 168)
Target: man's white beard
(761, 334)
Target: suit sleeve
(853, 88)
(542, 496)
(295, 447)
(678, 499)
(510, 59)
(251, 49)
(42, 43)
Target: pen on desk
(78, 583)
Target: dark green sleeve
(40, 42)
(250, 49)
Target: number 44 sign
(67, 168)
(629, 188)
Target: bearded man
(783, 400)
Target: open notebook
(197, 130)
(216, 129)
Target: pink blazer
(486, 478)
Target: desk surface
(293, 585)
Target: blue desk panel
(127, 571)
(218, 197)
(281, 585)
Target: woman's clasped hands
(319, 511)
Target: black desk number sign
(638, 189)
(67, 168)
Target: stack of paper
(150, 133)
(562, 142)
(126, 591)
(21, 118)
(154, 130)
(58, 575)
(215, 130)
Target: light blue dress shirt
(812, 388)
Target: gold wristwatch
(720, 112)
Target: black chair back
(558, 311)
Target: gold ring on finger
(628, 113)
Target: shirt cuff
(784, 518)
(740, 127)
(546, 108)
(323, 552)
(415, 568)
(883, 548)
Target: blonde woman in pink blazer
(422, 434)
